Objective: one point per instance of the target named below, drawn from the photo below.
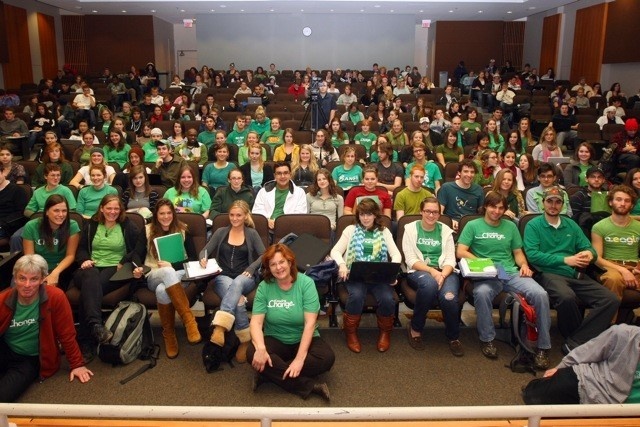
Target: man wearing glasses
(547, 176)
(280, 196)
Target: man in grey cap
(167, 165)
(558, 249)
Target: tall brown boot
(385, 326)
(222, 322)
(168, 320)
(350, 323)
(244, 335)
(181, 304)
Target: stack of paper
(194, 270)
(478, 267)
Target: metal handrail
(266, 415)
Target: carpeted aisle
(400, 377)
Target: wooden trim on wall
(75, 42)
(48, 46)
(588, 43)
(513, 43)
(550, 42)
(18, 69)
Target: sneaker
(416, 343)
(541, 360)
(456, 348)
(489, 350)
(101, 334)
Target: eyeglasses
(283, 173)
(432, 213)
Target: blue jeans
(159, 279)
(485, 290)
(426, 293)
(230, 290)
(358, 293)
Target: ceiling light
(223, 6)
(508, 11)
(391, 11)
(330, 10)
(451, 11)
(361, 10)
(94, 11)
(153, 11)
(124, 11)
(182, 10)
(376, 6)
(271, 10)
(421, 11)
(479, 11)
(531, 7)
(241, 10)
(213, 10)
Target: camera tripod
(314, 112)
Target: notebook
(309, 251)
(126, 272)
(170, 248)
(374, 273)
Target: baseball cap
(424, 120)
(162, 142)
(593, 170)
(156, 131)
(553, 192)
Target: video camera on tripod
(314, 89)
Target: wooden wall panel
(4, 46)
(75, 43)
(550, 41)
(118, 42)
(48, 46)
(18, 69)
(621, 38)
(513, 43)
(588, 43)
(474, 42)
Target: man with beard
(616, 240)
(560, 251)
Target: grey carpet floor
(399, 377)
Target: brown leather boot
(385, 326)
(168, 320)
(222, 322)
(350, 323)
(182, 306)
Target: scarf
(355, 251)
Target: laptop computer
(254, 100)
(155, 179)
(374, 273)
(309, 251)
(558, 160)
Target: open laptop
(309, 251)
(254, 100)
(155, 179)
(374, 273)
(558, 160)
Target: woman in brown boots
(165, 278)
(367, 240)
(237, 249)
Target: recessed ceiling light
(361, 10)
(271, 10)
(301, 10)
(421, 11)
(508, 11)
(182, 10)
(532, 7)
(153, 11)
(241, 10)
(377, 5)
(479, 11)
(94, 11)
(330, 10)
(391, 11)
(223, 6)
(124, 11)
(451, 11)
(213, 10)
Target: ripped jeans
(427, 293)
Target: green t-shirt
(281, 198)
(237, 138)
(108, 246)
(471, 126)
(243, 155)
(599, 202)
(497, 243)
(430, 243)
(121, 157)
(89, 198)
(284, 310)
(187, 203)
(636, 208)
(337, 142)
(150, 152)
(409, 201)
(366, 140)
(451, 155)
(432, 174)
(22, 336)
(273, 139)
(40, 196)
(367, 244)
(619, 243)
(261, 128)
(208, 138)
(634, 394)
(215, 177)
(582, 176)
(52, 255)
(347, 178)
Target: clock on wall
(306, 31)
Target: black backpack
(213, 355)
(132, 338)
(520, 332)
